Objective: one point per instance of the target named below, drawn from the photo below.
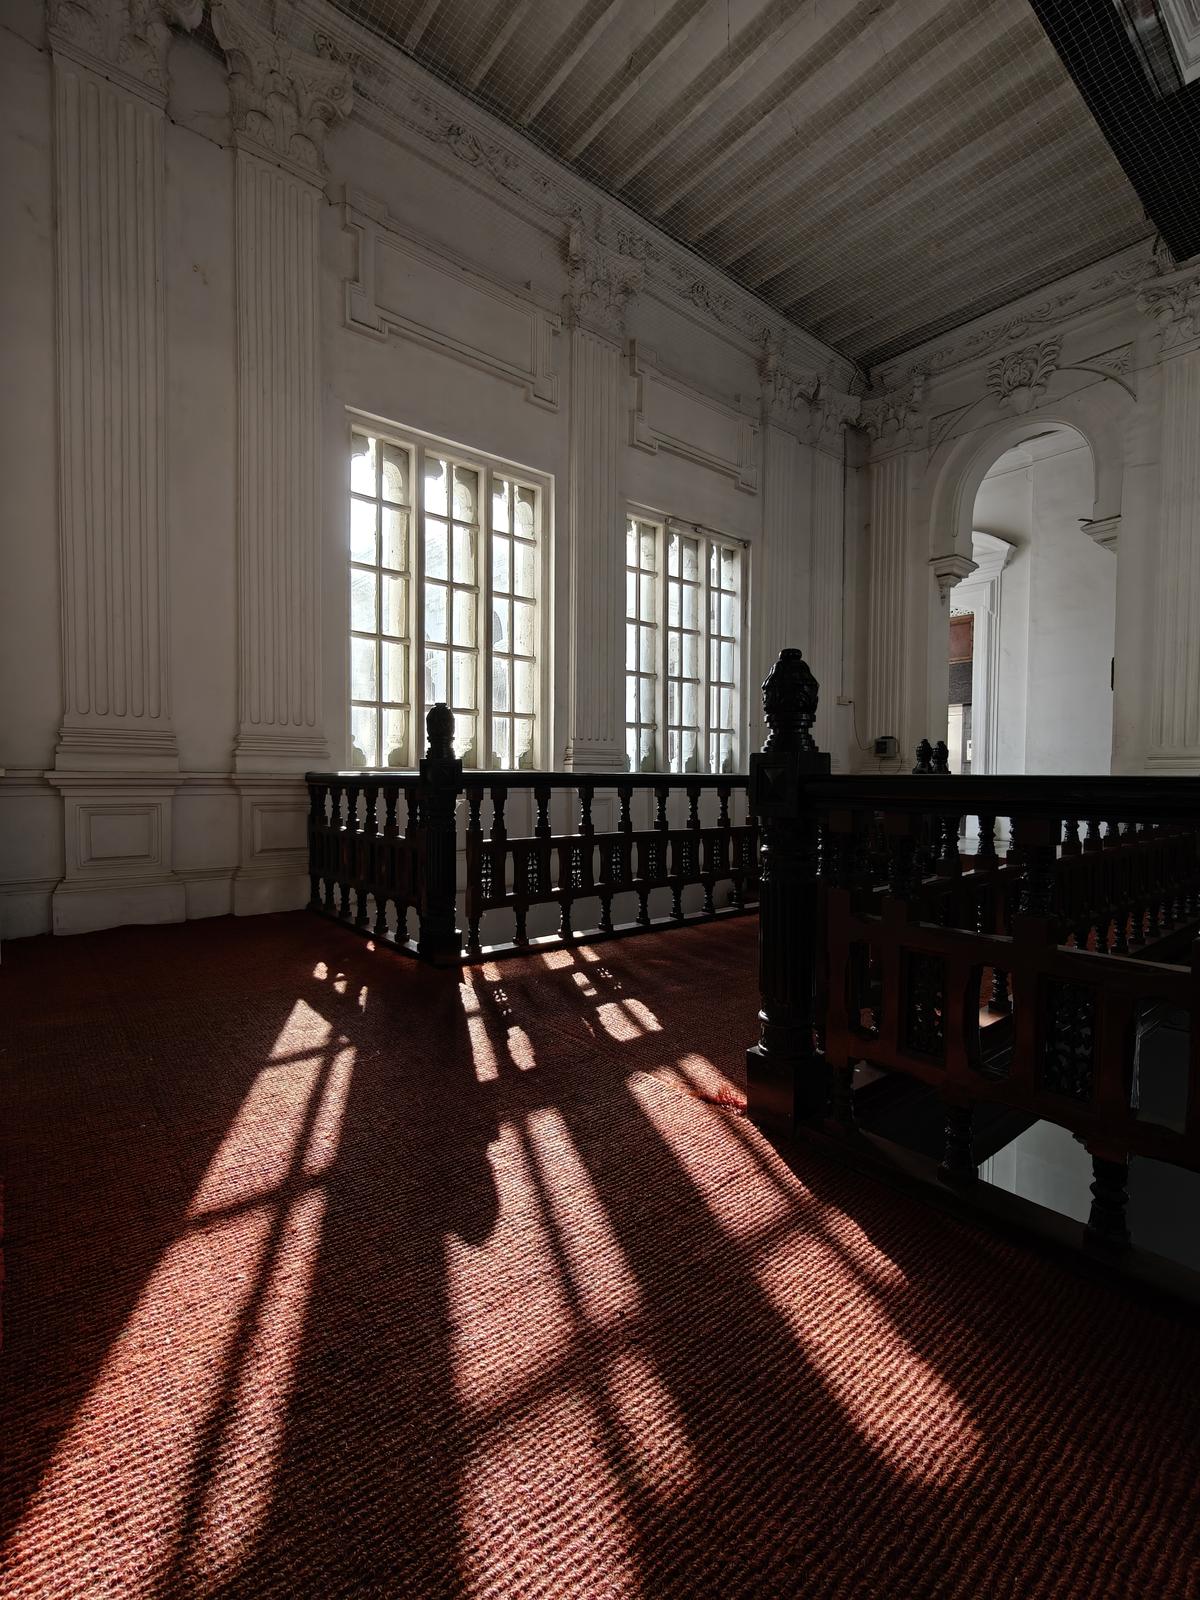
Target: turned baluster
(367, 875)
(346, 835)
(474, 844)
(386, 876)
(958, 1168)
(661, 793)
(1107, 1228)
(1092, 840)
(316, 831)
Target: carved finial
(941, 758)
(790, 694)
(924, 759)
(439, 725)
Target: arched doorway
(1038, 616)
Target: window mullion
(483, 618)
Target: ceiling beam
(504, 33)
(542, 97)
(809, 136)
(673, 43)
(423, 18)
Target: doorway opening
(1032, 630)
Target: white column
(1174, 302)
(117, 751)
(282, 102)
(602, 285)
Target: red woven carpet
(329, 1276)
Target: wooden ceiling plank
(424, 17)
(505, 32)
(570, 61)
(670, 46)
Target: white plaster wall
(1004, 507)
(710, 388)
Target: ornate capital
(1019, 379)
(126, 37)
(893, 419)
(283, 100)
(603, 282)
(1173, 301)
(949, 570)
(1104, 531)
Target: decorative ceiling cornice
(602, 283)
(419, 104)
(126, 38)
(283, 98)
(798, 399)
(893, 420)
(1173, 301)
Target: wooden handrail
(384, 843)
(1021, 980)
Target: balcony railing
(1029, 979)
(383, 845)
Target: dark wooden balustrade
(384, 844)
(1026, 977)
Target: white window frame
(419, 443)
(665, 525)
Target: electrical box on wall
(887, 747)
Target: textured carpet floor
(327, 1275)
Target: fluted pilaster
(596, 737)
(1175, 685)
(887, 609)
(823, 645)
(779, 562)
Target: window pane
(727, 661)
(501, 742)
(464, 554)
(501, 624)
(437, 553)
(466, 494)
(631, 594)
(673, 605)
(500, 493)
(646, 700)
(435, 613)
(465, 697)
(362, 531)
(673, 555)
(395, 539)
(631, 648)
(631, 698)
(523, 687)
(523, 753)
(526, 569)
(465, 610)
(524, 627)
(500, 685)
(395, 673)
(647, 597)
(501, 569)
(435, 486)
(435, 676)
(691, 559)
(646, 763)
(691, 656)
(631, 544)
(394, 615)
(728, 614)
(395, 738)
(363, 669)
(466, 747)
(362, 600)
(362, 464)
(526, 513)
(395, 473)
(364, 740)
(649, 554)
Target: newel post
(441, 783)
(787, 1079)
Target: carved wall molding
(283, 99)
(894, 420)
(1019, 378)
(1104, 532)
(407, 286)
(603, 283)
(1084, 291)
(1173, 302)
(669, 413)
(127, 38)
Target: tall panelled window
(446, 555)
(683, 643)
(641, 644)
